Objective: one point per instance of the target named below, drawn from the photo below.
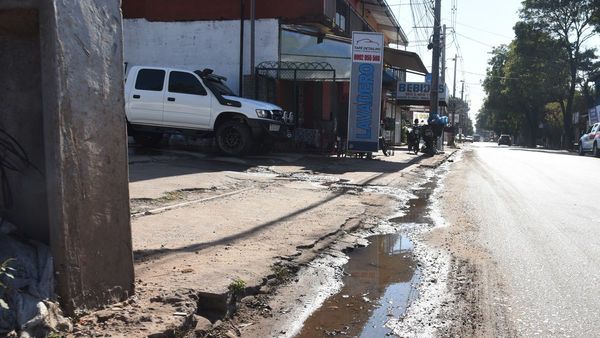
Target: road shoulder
(196, 261)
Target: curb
(444, 158)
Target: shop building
(301, 57)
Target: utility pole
(454, 108)
(443, 82)
(443, 74)
(462, 95)
(435, 66)
(241, 78)
(252, 36)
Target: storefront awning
(300, 47)
(402, 59)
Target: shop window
(340, 20)
(341, 13)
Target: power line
(481, 30)
(497, 77)
(475, 40)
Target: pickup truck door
(187, 103)
(145, 101)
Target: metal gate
(269, 72)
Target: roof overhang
(405, 60)
(386, 21)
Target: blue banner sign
(365, 92)
(419, 91)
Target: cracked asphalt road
(537, 215)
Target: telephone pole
(443, 74)
(435, 66)
(454, 108)
(462, 97)
(241, 75)
(443, 82)
(252, 39)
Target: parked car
(590, 142)
(505, 139)
(476, 138)
(198, 104)
(469, 138)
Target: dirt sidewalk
(208, 229)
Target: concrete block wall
(199, 44)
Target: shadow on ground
(325, 165)
(545, 151)
(152, 163)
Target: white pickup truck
(198, 104)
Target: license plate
(274, 127)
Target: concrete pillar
(84, 145)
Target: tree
(461, 108)
(571, 22)
(537, 75)
(497, 113)
(522, 79)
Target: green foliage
(237, 286)
(571, 24)
(461, 108)
(282, 273)
(522, 79)
(533, 81)
(5, 271)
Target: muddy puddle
(377, 285)
(379, 281)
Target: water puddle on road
(379, 282)
(377, 285)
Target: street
(528, 220)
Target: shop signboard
(419, 92)
(365, 92)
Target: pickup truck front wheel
(234, 138)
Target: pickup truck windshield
(218, 87)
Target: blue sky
(478, 25)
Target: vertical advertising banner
(365, 92)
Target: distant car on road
(476, 138)
(505, 139)
(469, 139)
(590, 142)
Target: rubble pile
(29, 289)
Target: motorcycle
(414, 139)
(383, 145)
(430, 140)
(432, 131)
